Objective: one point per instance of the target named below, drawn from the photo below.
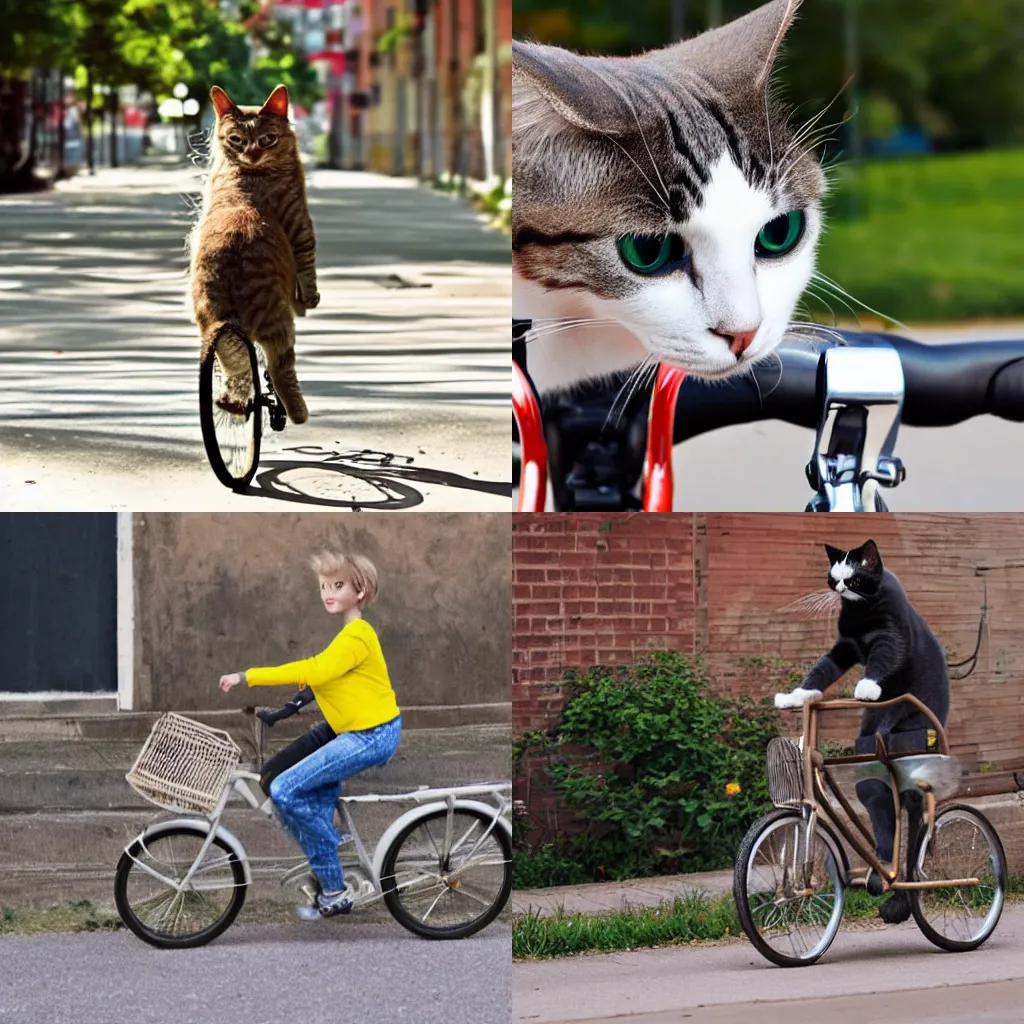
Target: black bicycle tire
(739, 888)
(462, 931)
(952, 945)
(213, 454)
(131, 920)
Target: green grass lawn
(939, 237)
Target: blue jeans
(305, 795)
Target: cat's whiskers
(635, 381)
(809, 124)
(823, 298)
(557, 327)
(812, 142)
(819, 604)
(753, 376)
(621, 92)
(806, 328)
(839, 292)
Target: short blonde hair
(363, 572)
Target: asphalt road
(322, 972)
(889, 973)
(406, 356)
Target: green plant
(689, 918)
(549, 864)
(664, 777)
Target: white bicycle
(443, 868)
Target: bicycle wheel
(162, 915)
(230, 411)
(965, 845)
(790, 904)
(449, 896)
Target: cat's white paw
(796, 698)
(867, 689)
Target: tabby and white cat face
(665, 197)
(855, 575)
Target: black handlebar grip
(1006, 394)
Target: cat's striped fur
(688, 141)
(253, 248)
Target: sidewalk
(406, 355)
(607, 897)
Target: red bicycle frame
(658, 484)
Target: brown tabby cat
(253, 250)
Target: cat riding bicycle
(880, 629)
(253, 270)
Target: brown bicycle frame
(815, 770)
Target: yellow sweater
(349, 680)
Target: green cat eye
(779, 236)
(647, 254)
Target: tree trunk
(454, 92)
(35, 104)
(90, 155)
(114, 111)
(61, 139)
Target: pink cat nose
(738, 341)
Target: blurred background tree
(953, 70)
(150, 44)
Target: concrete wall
(219, 593)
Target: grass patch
(690, 918)
(937, 238)
(493, 198)
(69, 916)
(695, 917)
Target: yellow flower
(732, 789)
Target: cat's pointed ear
(870, 557)
(277, 102)
(740, 55)
(834, 554)
(549, 80)
(222, 103)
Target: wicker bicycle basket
(184, 765)
(785, 772)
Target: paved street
(868, 974)
(321, 972)
(407, 354)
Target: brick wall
(590, 589)
(601, 588)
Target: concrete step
(24, 721)
(46, 858)
(66, 812)
(82, 775)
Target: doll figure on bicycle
(362, 723)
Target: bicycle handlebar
(839, 703)
(944, 385)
